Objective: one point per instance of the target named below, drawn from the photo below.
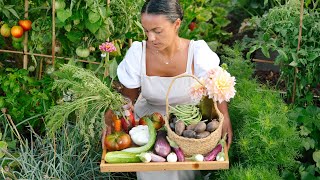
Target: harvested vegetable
(145, 157)
(196, 157)
(213, 154)
(121, 157)
(179, 127)
(172, 157)
(200, 127)
(140, 135)
(189, 133)
(189, 114)
(152, 140)
(202, 134)
(162, 146)
(213, 125)
(156, 158)
(178, 151)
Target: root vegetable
(212, 126)
(172, 157)
(179, 127)
(191, 126)
(189, 134)
(177, 150)
(202, 134)
(200, 127)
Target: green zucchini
(121, 157)
(149, 145)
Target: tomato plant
(117, 141)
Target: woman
(152, 64)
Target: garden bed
(163, 166)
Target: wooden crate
(163, 166)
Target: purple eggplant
(177, 150)
(162, 147)
(219, 148)
(213, 154)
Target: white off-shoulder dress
(132, 74)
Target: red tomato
(156, 118)
(192, 26)
(25, 24)
(17, 31)
(117, 141)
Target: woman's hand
(108, 128)
(226, 127)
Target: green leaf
(252, 49)
(204, 15)
(113, 68)
(316, 156)
(93, 27)
(14, 12)
(265, 51)
(220, 21)
(74, 36)
(63, 15)
(93, 17)
(312, 56)
(304, 131)
(3, 147)
(293, 64)
(219, 11)
(308, 143)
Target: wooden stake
(296, 70)
(106, 71)
(25, 41)
(53, 31)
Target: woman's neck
(173, 48)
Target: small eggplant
(213, 154)
(162, 146)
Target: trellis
(53, 56)
(25, 52)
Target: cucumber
(148, 146)
(121, 157)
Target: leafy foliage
(39, 158)
(278, 31)
(24, 96)
(247, 173)
(86, 96)
(263, 135)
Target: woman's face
(160, 31)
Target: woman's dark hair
(169, 8)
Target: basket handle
(170, 86)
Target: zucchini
(121, 157)
(148, 146)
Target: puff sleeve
(204, 58)
(130, 67)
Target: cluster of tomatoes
(16, 31)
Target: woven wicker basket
(191, 146)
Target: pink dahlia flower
(107, 47)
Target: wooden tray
(163, 166)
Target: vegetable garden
(58, 78)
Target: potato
(179, 127)
(202, 134)
(212, 126)
(189, 134)
(191, 126)
(200, 127)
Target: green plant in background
(264, 138)
(87, 98)
(7, 10)
(24, 96)
(256, 8)
(278, 30)
(239, 172)
(205, 19)
(309, 129)
(39, 158)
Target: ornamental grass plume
(218, 85)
